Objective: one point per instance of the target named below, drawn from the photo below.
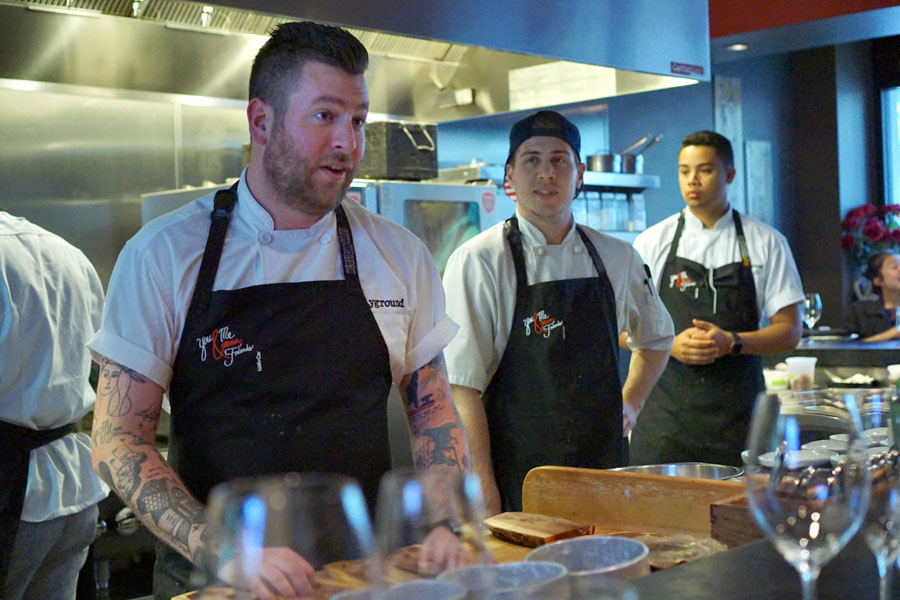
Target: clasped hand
(701, 344)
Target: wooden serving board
(533, 530)
(615, 501)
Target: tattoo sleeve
(439, 439)
(126, 416)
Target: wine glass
(881, 527)
(812, 309)
(807, 509)
(261, 529)
(427, 522)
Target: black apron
(702, 412)
(18, 442)
(556, 398)
(275, 378)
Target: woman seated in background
(876, 320)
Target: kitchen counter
(756, 571)
(842, 353)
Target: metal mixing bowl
(697, 470)
(593, 560)
(511, 581)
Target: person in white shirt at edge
(51, 302)
(541, 303)
(719, 274)
(280, 357)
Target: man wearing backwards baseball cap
(540, 303)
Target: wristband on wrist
(450, 524)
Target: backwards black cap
(544, 123)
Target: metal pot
(697, 470)
(633, 157)
(605, 163)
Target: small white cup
(801, 372)
(893, 373)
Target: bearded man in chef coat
(732, 287)
(276, 315)
(541, 303)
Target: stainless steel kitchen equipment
(697, 470)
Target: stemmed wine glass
(271, 536)
(427, 522)
(881, 527)
(807, 509)
(812, 309)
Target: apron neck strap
(347, 250)
(514, 236)
(739, 229)
(220, 217)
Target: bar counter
(756, 571)
(842, 353)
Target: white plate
(877, 433)
(870, 440)
(797, 459)
(827, 445)
(840, 457)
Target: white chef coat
(153, 280)
(480, 283)
(774, 271)
(51, 301)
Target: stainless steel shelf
(620, 181)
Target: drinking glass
(812, 309)
(881, 527)
(427, 522)
(808, 509)
(258, 529)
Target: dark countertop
(850, 353)
(756, 571)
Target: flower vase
(862, 288)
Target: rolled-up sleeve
(646, 320)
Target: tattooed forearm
(105, 433)
(113, 387)
(439, 439)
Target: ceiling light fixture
(737, 47)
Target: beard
(291, 176)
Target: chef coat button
(325, 239)
(577, 249)
(266, 238)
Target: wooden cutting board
(532, 529)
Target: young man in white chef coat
(275, 315)
(51, 300)
(541, 303)
(719, 274)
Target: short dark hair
(279, 62)
(718, 142)
(873, 268)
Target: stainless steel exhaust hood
(436, 60)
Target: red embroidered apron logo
(681, 281)
(541, 324)
(224, 346)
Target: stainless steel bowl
(595, 559)
(697, 470)
(511, 581)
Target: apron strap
(347, 251)
(514, 236)
(673, 249)
(605, 287)
(14, 480)
(742, 241)
(220, 217)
